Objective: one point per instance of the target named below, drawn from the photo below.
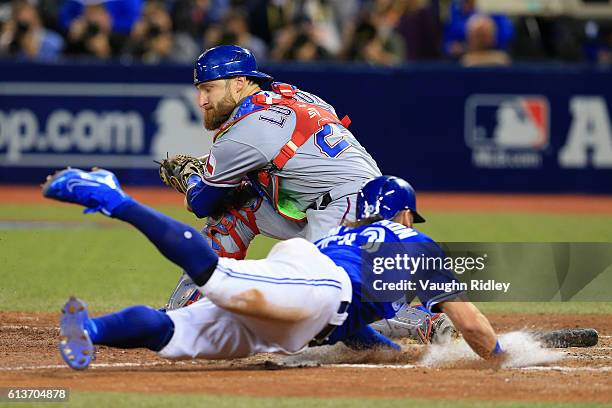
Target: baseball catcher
(282, 164)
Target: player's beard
(220, 113)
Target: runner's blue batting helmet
(226, 61)
(386, 196)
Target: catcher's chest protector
(310, 118)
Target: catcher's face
(216, 101)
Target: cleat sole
(75, 345)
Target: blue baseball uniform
(344, 246)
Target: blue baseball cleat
(98, 190)
(75, 345)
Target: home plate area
(530, 372)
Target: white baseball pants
(277, 304)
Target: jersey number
(375, 236)
(330, 150)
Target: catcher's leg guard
(229, 236)
(419, 324)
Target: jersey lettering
(401, 231)
(406, 233)
(276, 109)
(280, 109)
(315, 100)
(278, 122)
(347, 239)
(305, 97)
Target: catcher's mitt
(175, 171)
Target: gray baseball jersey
(331, 161)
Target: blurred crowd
(378, 32)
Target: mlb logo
(507, 122)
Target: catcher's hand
(175, 171)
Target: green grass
(103, 261)
(468, 227)
(69, 212)
(111, 265)
(546, 307)
(447, 226)
(133, 400)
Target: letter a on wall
(590, 132)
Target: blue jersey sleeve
(435, 282)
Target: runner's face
(216, 101)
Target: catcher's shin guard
(229, 236)
(419, 324)
(185, 293)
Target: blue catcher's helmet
(386, 196)
(226, 61)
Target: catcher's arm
(474, 327)
(203, 199)
(185, 174)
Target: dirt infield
(29, 358)
(475, 202)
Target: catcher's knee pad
(230, 234)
